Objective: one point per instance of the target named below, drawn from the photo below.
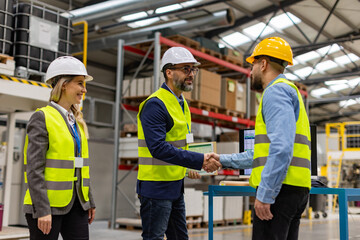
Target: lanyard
(182, 106)
(77, 139)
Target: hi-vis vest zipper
(150, 168)
(60, 161)
(298, 173)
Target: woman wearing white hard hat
(58, 198)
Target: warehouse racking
(198, 115)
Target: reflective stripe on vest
(262, 138)
(150, 168)
(298, 173)
(59, 164)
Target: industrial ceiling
(324, 35)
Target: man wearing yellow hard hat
(281, 156)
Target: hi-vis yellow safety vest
(60, 161)
(150, 168)
(298, 173)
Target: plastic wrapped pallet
(128, 147)
(233, 208)
(193, 202)
(227, 147)
(218, 212)
(41, 34)
(6, 26)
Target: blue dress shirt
(156, 122)
(280, 112)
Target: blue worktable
(344, 195)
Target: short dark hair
(166, 66)
(275, 60)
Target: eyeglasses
(187, 70)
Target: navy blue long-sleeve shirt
(156, 122)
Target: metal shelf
(211, 115)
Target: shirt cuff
(266, 195)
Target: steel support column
(157, 52)
(248, 93)
(119, 80)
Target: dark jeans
(72, 226)
(161, 217)
(287, 210)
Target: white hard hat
(177, 55)
(66, 65)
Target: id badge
(189, 138)
(79, 162)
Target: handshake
(211, 162)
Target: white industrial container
(233, 208)
(227, 147)
(194, 202)
(128, 147)
(218, 212)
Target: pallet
(204, 106)
(232, 113)
(188, 42)
(193, 222)
(233, 60)
(233, 222)
(216, 223)
(128, 223)
(4, 58)
(185, 41)
(211, 52)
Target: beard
(181, 84)
(256, 83)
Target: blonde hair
(55, 96)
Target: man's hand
(210, 164)
(215, 156)
(44, 224)
(193, 175)
(262, 210)
(91, 215)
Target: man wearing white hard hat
(58, 198)
(164, 132)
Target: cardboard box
(233, 95)
(207, 87)
(228, 93)
(255, 99)
(240, 105)
(229, 137)
(188, 96)
(233, 55)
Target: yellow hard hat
(274, 47)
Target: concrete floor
(319, 229)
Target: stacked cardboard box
(140, 87)
(233, 95)
(218, 211)
(233, 56)
(255, 99)
(206, 88)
